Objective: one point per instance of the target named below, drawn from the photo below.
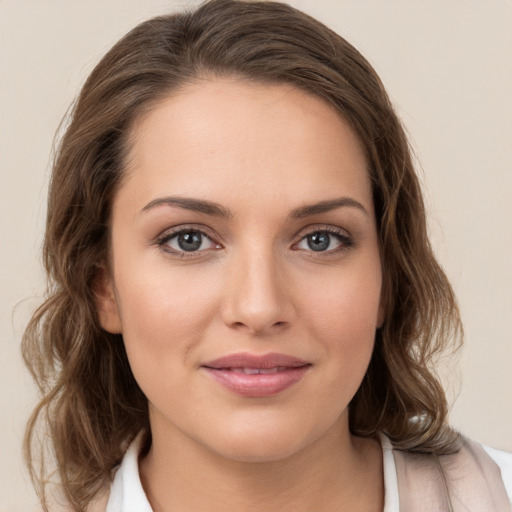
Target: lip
(280, 371)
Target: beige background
(447, 66)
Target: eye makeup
(193, 241)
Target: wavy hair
(91, 406)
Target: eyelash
(167, 236)
(346, 241)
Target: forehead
(226, 139)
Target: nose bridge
(255, 298)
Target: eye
(325, 241)
(187, 241)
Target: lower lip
(260, 384)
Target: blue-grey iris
(190, 241)
(319, 241)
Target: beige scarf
(467, 481)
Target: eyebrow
(217, 210)
(326, 206)
(189, 203)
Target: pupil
(190, 241)
(318, 241)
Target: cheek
(342, 310)
(164, 313)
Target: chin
(259, 452)
(270, 442)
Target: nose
(257, 296)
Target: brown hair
(91, 405)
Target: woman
(244, 307)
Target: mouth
(258, 371)
(257, 376)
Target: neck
(338, 472)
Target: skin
(254, 286)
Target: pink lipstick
(257, 376)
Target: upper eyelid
(316, 228)
(209, 232)
(171, 232)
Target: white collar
(127, 494)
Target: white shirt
(127, 494)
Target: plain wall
(447, 67)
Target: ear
(106, 302)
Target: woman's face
(246, 275)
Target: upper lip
(246, 360)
